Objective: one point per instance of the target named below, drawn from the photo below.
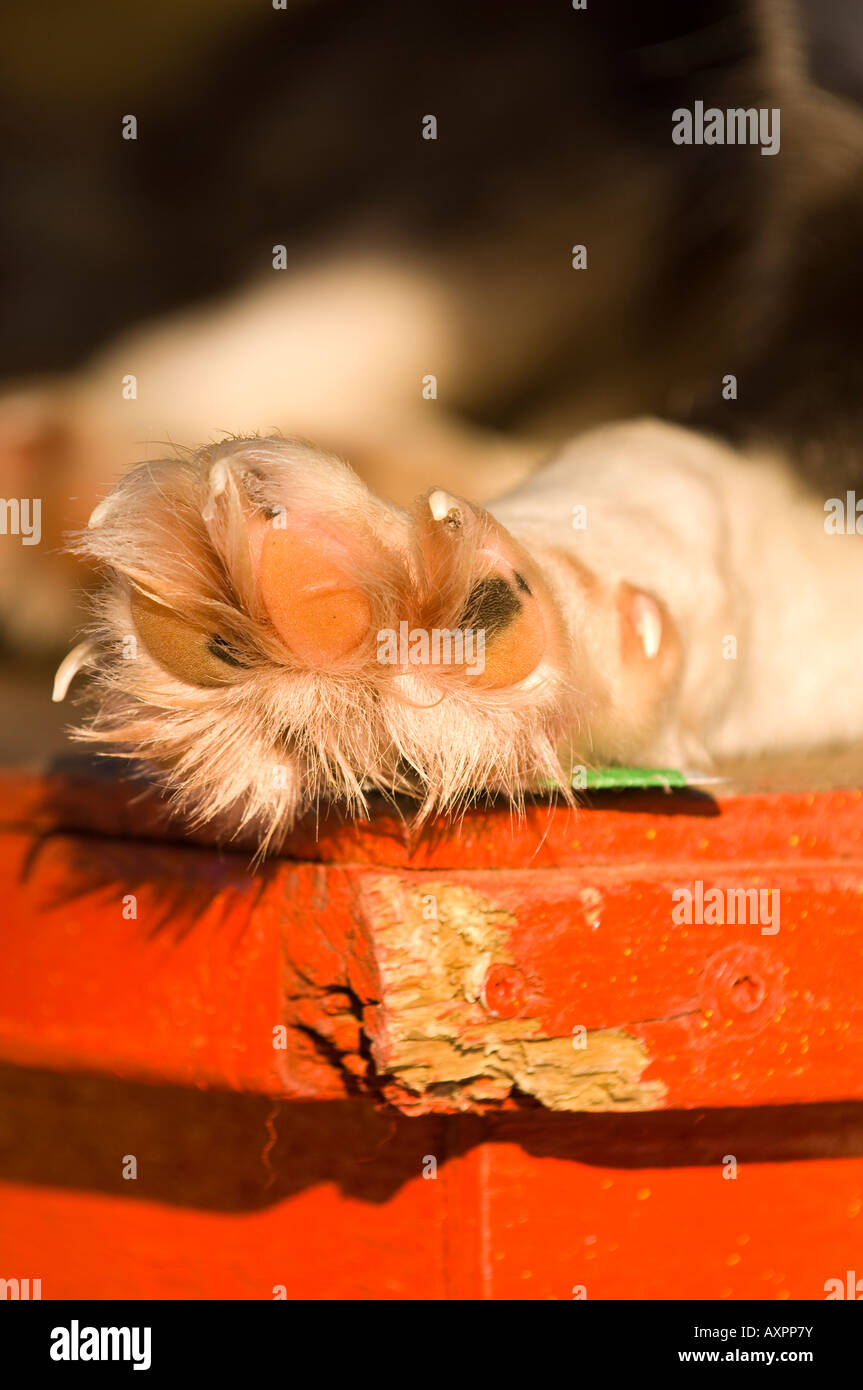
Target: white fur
(709, 545)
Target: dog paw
(270, 634)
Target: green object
(622, 778)
(618, 779)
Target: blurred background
(96, 236)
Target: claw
(444, 508)
(218, 481)
(648, 624)
(69, 667)
(99, 513)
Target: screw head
(503, 991)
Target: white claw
(99, 513)
(68, 669)
(218, 481)
(648, 624)
(441, 504)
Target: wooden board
(465, 969)
(428, 1123)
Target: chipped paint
(434, 1037)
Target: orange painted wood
(218, 956)
(262, 1169)
(236, 1195)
